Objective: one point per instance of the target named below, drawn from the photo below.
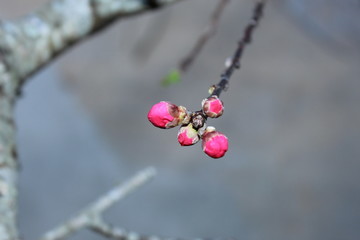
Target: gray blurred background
(292, 117)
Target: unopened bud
(166, 115)
(213, 107)
(187, 135)
(214, 143)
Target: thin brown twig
(245, 40)
(198, 118)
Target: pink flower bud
(166, 115)
(214, 144)
(187, 135)
(213, 107)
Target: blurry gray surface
(65, 164)
(333, 21)
(292, 116)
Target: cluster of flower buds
(193, 124)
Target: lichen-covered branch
(28, 44)
(33, 41)
(8, 156)
(91, 216)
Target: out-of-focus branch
(8, 155)
(91, 217)
(209, 31)
(117, 233)
(174, 76)
(33, 41)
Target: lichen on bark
(28, 44)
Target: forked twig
(90, 216)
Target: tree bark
(8, 157)
(33, 41)
(27, 45)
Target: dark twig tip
(245, 40)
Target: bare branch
(102, 228)
(209, 31)
(8, 156)
(117, 233)
(245, 40)
(35, 40)
(92, 215)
